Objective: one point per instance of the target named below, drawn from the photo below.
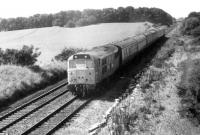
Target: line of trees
(74, 18)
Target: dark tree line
(73, 18)
(191, 25)
(24, 57)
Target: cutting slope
(52, 40)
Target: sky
(25, 8)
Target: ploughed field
(51, 40)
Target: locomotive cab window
(81, 61)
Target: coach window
(104, 61)
(104, 69)
(99, 62)
(116, 54)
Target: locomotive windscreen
(81, 56)
(80, 63)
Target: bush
(82, 22)
(55, 71)
(70, 24)
(24, 57)
(196, 31)
(191, 25)
(66, 53)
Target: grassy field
(17, 81)
(52, 40)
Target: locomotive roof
(101, 51)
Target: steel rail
(47, 117)
(31, 101)
(32, 110)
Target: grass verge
(189, 86)
(133, 114)
(17, 81)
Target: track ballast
(43, 114)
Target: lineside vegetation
(20, 76)
(134, 112)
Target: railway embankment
(17, 82)
(166, 99)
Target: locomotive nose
(84, 76)
(81, 71)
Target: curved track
(43, 114)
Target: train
(88, 70)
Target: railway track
(43, 114)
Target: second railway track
(43, 114)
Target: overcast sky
(25, 8)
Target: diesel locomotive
(87, 70)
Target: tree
(66, 53)
(4, 25)
(57, 22)
(70, 24)
(109, 15)
(25, 56)
(89, 16)
(122, 15)
(189, 24)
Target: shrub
(66, 53)
(70, 24)
(55, 71)
(166, 52)
(196, 31)
(24, 57)
(82, 22)
(191, 25)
